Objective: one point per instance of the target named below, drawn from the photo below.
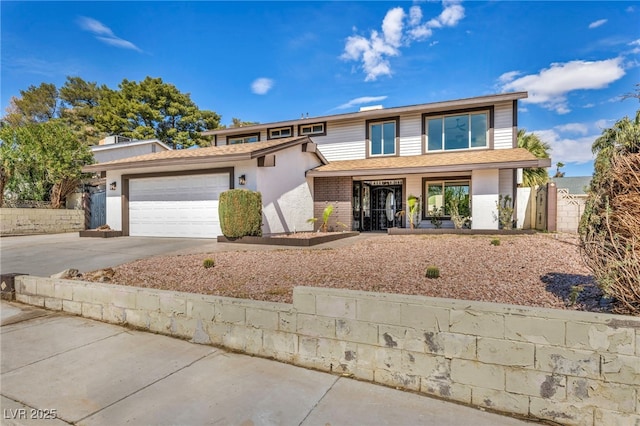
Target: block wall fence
(570, 367)
(40, 221)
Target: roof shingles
(516, 157)
(219, 153)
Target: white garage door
(176, 206)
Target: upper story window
(382, 136)
(232, 140)
(280, 132)
(312, 129)
(460, 131)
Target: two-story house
(455, 156)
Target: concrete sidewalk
(71, 370)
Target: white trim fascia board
(435, 107)
(428, 169)
(270, 150)
(211, 158)
(123, 145)
(166, 162)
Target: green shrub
(432, 272)
(240, 212)
(495, 242)
(208, 263)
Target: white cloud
(571, 142)
(415, 15)
(361, 100)
(565, 149)
(398, 29)
(580, 128)
(550, 86)
(261, 86)
(392, 26)
(636, 46)
(452, 14)
(508, 77)
(118, 42)
(598, 23)
(105, 34)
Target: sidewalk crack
(319, 401)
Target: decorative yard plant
(505, 211)
(414, 204)
(432, 272)
(240, 212)
(436, 217)
(326, 214)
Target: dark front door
(386, 202)
(376, 205)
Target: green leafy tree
(80, 101)
(42, 160)
(236, 122)
(154, 109)
(532, 143)
(36, 105)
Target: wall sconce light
(242, 180)
(113, 185)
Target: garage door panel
(176, 206)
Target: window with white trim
(280, 132)
(382, 138)
(459, 131)
(233, 140)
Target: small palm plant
(413, 203)
(325, 218)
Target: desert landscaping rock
(533, 270)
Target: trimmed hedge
(240, 212)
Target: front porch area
(464, 200)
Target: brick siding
(337, 191)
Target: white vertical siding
(503, 126)
(411, 135)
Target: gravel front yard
(533, 270)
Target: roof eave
(166, 162)
(435, 106)
(522, 164)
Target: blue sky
(271, 61)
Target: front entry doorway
(376, 205)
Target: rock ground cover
(544, 270)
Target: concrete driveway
(44, 255)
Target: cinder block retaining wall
(40, 221)
(569, 367)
